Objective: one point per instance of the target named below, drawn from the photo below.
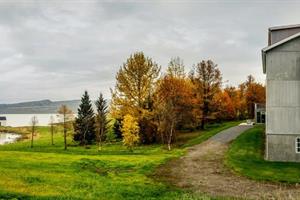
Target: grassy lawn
(49, 172)
(246, 157)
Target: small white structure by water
(2, 121)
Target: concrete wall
(283, 101)
(282, 148)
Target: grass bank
(18, 130)
(48, 172)
(246, 157)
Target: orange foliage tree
(254, 92)
(225, 109)
(207, 80)
(173, 102)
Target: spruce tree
(101, 120)
(85, 121)
(117, 128)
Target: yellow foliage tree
(130, 131)
(134, 87)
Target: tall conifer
(85, 121)
(101, 120)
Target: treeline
(161, 103)
(150, 106)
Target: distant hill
(37, 107)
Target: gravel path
(230, 134)
(203, 171)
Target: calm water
(16, 120)
(6, 138)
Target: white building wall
(283, 101)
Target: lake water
(17, 120)
(6, 138)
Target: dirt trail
(203, 170)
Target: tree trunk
(84, 141)
(205, 113)
(52, 134)
(101, 134)
(65, 139)
(170, 136)
(32, 133)
(99, 141)
(202, 123)
(65, 134)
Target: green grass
(246, 156)
(49, 172)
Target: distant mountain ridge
(38, 107)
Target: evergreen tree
(117, 128)
(84, 122)
(101, 120)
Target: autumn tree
(254, 93)
(224, 106)
(52, 128)
(33, 124)
(85, 121)
(207, 80)
(173, 101)
(176, 68)
(172, 106)
(245, 95)
(242, 105)
(134, 89)
(130, 131)
(66, 117)
(237, 96)
(101, 120)
(176, 73)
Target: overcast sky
(57, 50)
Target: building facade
(259, 113)
(281, 64)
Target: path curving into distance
(202, 170)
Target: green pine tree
(116, 129)
(101, 120)
(85, 122)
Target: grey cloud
(58, 49)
